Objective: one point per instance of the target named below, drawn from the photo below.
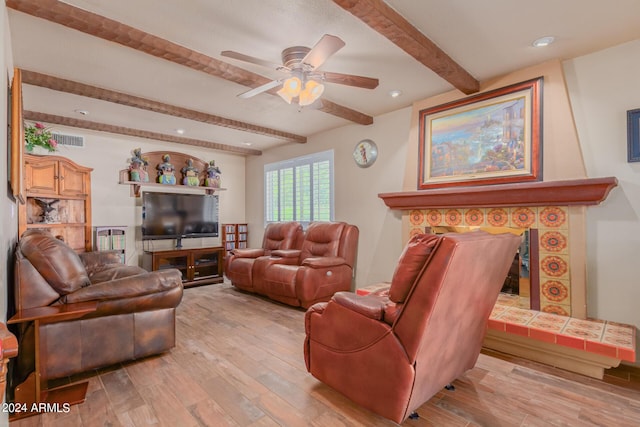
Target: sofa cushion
(322, 239)
(410, 264)
(281, 235)
(60, 266)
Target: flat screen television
(178, 216)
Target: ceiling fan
(304, 81)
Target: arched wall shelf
(179, 160)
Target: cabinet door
(41, 178)
(207, 264)
(177, 260)
(71, 181)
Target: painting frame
(494, 137)
(633, 135)
(15, 146)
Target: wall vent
(69, 140)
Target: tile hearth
(602, 337)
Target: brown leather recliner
(131, 311)
(391, 353)
(277, 235)
(323, 266)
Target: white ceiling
(487, 38)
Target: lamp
(290, 89)
(312, 91)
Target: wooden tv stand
(199, 266)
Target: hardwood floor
(238, 362)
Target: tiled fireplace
(551, 292)
(555, 213)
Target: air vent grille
(69, 140)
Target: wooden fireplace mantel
(584, 192)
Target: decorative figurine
(190, 174)
(213, 175)
(138, 167)
(166, 171)
(49, 212)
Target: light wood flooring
(239, 362)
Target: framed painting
(16, 137)
(491, 138)
(633, 135)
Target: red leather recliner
(392, 353)
(323, 266)
(239, 265)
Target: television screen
(175, 216)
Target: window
(299, 189)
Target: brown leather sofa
(277, 235)
(391, 352)
(89, 310)
(321, 266)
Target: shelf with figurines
(170, 170)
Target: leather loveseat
(89, 310)
(320, 266)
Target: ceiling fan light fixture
(312, 91)
(290, 88)
(287, 98)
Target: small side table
(34, 388)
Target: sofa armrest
(286, 253)
(323, 262)
(248, 253)
(127, 287)
(371, 306)
(362, 332)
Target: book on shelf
(103, 243)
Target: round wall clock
(365, 153)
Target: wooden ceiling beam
(386, 21)
(76, 88)
(114, 31)
(138, 133)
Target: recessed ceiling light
(180, 131)
(248, 144)
(543, 41)
(395, 93)
(83, 112)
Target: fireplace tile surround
(553, 237)
(555, 209)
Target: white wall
(602, 87)
(356, 192)
(112, 204)
(8, 211)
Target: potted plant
(37, 135)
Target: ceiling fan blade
(327, 46)
(256, 90)
(252, 60)
(350, 80)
